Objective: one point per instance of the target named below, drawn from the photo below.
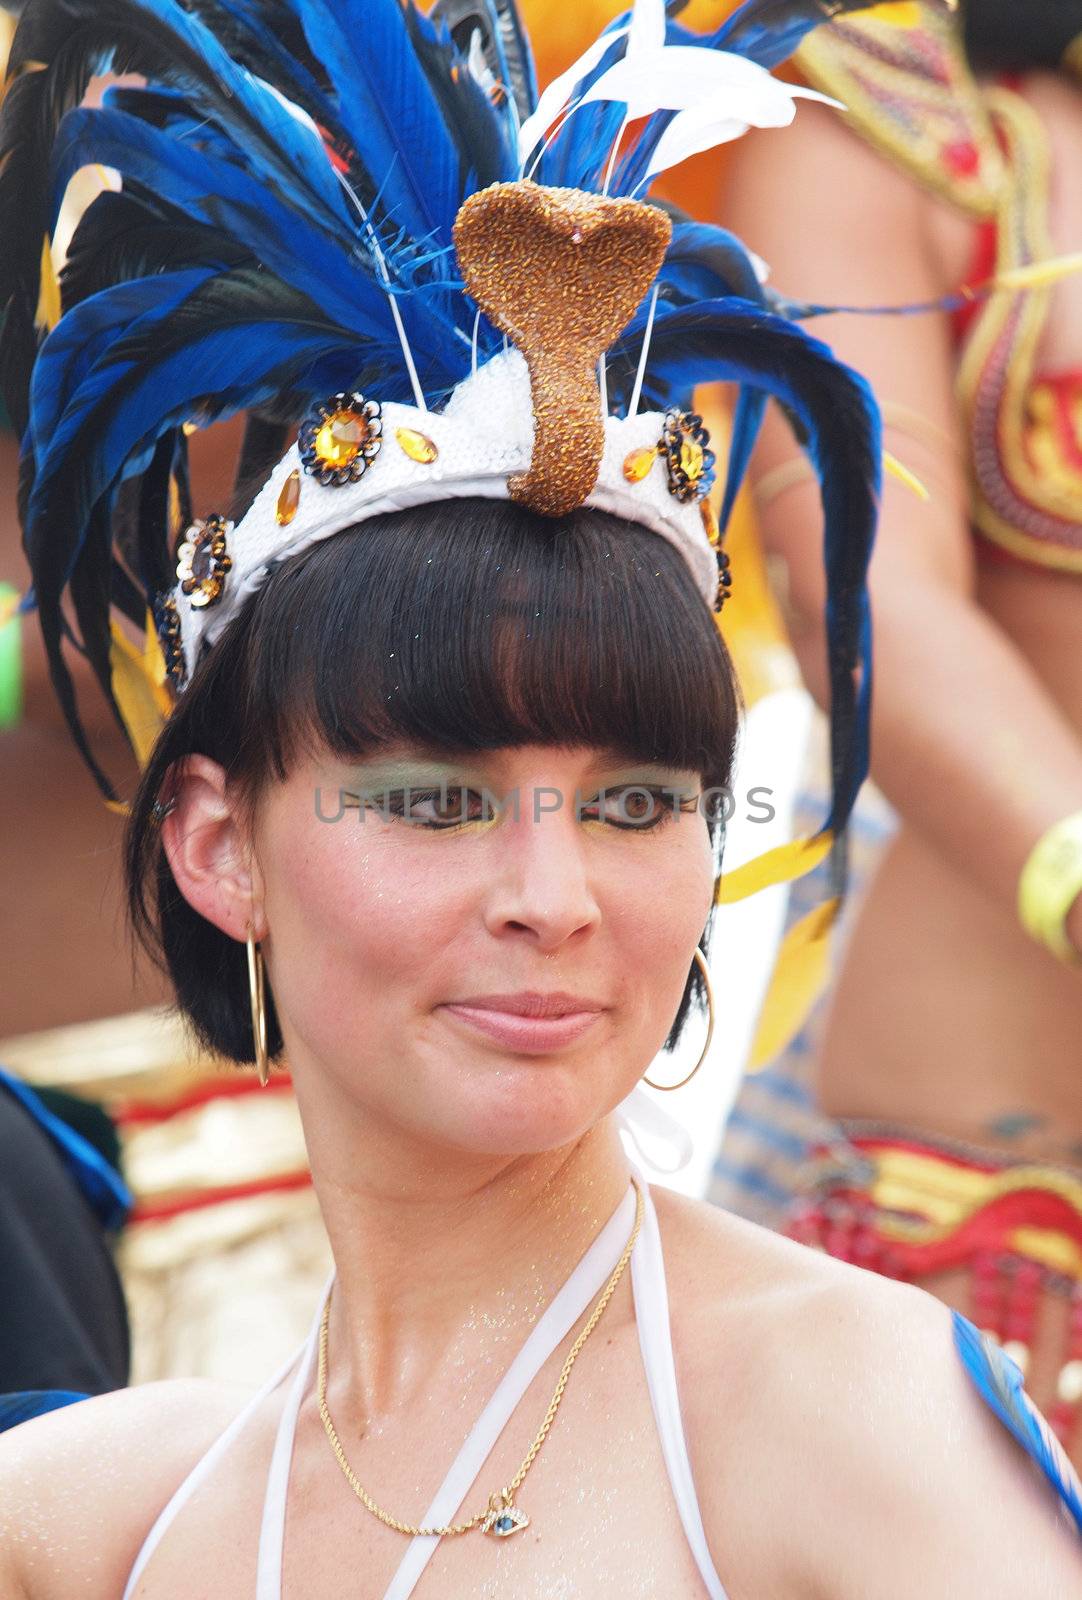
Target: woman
(948, 1062)
(436, 828)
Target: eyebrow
(606, 755)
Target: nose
(541, 883)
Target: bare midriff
(946, 1015)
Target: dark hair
(469, 625)
(1005, 34)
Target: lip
(528, 1022)
(531, 1003)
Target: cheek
(353, 919)
(658, 909)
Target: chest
(604, 1520)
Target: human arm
(936, 1497)
(80, 1486)
(968, 742)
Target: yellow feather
(783, 864)
(800, 976)
(154, 660)
(144, 704)
(899, 13)
(47, 314)
(899, 470)
(1039, 273)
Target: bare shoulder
(81, 1486)
(832, 1423)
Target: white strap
(203, 1466)
(655, 1340)
(268, 1583)
(559, 1317)
(639, 1115)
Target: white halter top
(578, 1292)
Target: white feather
(685, 77)
(647, 30)
(554, 97)
(704, 126)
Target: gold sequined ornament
(686, 444)
(340, 438)
(561, 273)
(289, 500)
(203, 561)
(167, 624)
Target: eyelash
(393, 801)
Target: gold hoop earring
(705, 971)
(259, 1015)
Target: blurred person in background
(945, 1144)
(63, 1321)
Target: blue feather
(748, 415)
(1000, 1384)
(768, 31)
(388, 109)
(729, 340)
(123, 404)
(222, 195)
(259, 122)
(705, 262)
(85, 333)
(292, 77)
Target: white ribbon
(639, 1115)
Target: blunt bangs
(482, 625)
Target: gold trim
(1022, 230)
(862, 62)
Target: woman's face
(413, 908)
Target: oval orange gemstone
(418, 446)
(691, 459)
(710, 521)
(341, 437)
(289, 499)
(638, 463)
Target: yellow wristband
(1050, 883)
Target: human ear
(209, 849)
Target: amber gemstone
(341, 438)
(638, 464)
(289, 499)
(691, 459)
(710, 521)
(418, 446)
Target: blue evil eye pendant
(686, 446)
(203, 561)
(167, 623)
(503, 1518)
(340, 438)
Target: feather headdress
(341, 215)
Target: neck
(443, 1267)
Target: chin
(524, 1106)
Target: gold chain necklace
(501, 1517)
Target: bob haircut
(465, 626)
